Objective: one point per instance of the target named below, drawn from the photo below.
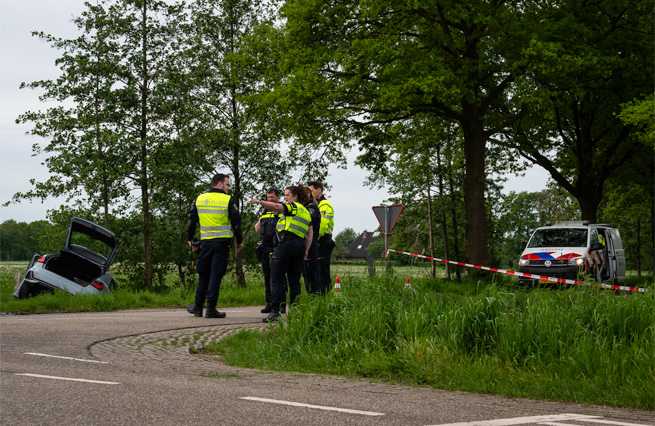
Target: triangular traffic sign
(387, 216)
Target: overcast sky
(24, 58)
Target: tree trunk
(180, 273)
(474, 187)
(430, 227)
(453, 217)
(443, 212)
(145, 209)
(639, 248)
(588, 205)
(238, 265)
(182, 233)
(652, 230)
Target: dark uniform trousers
(266, 270)
(311, 272)
(286, 267)
(212, 266)
(324, 256)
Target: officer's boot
(273, 316)
(267, 309)
(195, 310)
(212, 312)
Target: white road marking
(611, 422)
(41, 376)
(522, 420)
(557, 424)
(65, 357)
(319, 407)
(27, 318)
(551, 420)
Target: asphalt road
(134, 367)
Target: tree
(342, 240)
(352, 66)
(116, 76)
(14, 240)
(84, 161)
(587, 62)
(19, 240)
(231, 125)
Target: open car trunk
(74, 268)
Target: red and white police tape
(522, 274)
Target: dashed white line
(318, 407)
(70, 379)
(65, 357)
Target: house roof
(358, 248)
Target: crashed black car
(81, 267)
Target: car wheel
(24, 291)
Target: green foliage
(641, 115)
(579, 345)
(342, 240)
(586, 79)
(18, 241)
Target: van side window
(594, 236)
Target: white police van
(572, 249)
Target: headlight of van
(578, 261)
(524, 262)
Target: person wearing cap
(220, 222)
(325, 242)
(293, 239)
(265, 226)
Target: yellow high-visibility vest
(297, 223)
(327, 217)
(213, 215)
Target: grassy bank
(580, 344)
(126, 297)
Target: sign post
(387, 217)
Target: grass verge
(123, 298)
(579, 344)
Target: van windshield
(559, 237)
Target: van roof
(576, 223)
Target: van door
(616, 255)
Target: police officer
(220, 221)
(325, 242)
(266, 228)
(311, 271)
(293, 240)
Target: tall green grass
(580, 344)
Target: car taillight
(41, 259)
(98, 285)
